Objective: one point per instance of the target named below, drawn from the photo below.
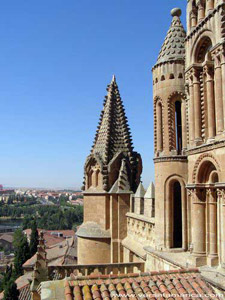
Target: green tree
(22, 252)
(10, 291)
(33, 238)
(7, 276)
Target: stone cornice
(203, 22)
(206, 147)
(191, 186)
(92, 230)
(172, 61)
(192, 68)
(95, 192)
(170, 158)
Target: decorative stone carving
(198, 162)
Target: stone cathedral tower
(112, 174)
(170, 133)
(189, 114)
(205, 79)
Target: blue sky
(56, 59)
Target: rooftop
(136, 286)
(59, 254)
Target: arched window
(90, 175)
(177, 215)
(178, 127)
(208, 227)
(159, 126)
(202, 49)
(210, 111)
(97, 173)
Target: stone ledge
(175, 158)
(214, 276)
(206, 147)
(135, 247)
(92, 230)
(165, 256)
(142, 218)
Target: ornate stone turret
(170, 129)
(40, 272)
(112, 143)
(112, 173)
(169, 93)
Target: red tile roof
(59, 254)
(155, 285)
(50, 236)
(7, 237)
(25, 293)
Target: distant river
(10, 224)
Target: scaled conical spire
(113, 133)
(173, 47)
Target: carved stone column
(189, 217)
(197, 105)
(208, 71)
(223, 82)
(218, 96)
(201, 10)
(212, 259)
(191, 112)
(184, 126)
(193, 18)
(221, 222)
(223, 230)
(198, 227)
(209, 5)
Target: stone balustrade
(140, 228)
(59, 272)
